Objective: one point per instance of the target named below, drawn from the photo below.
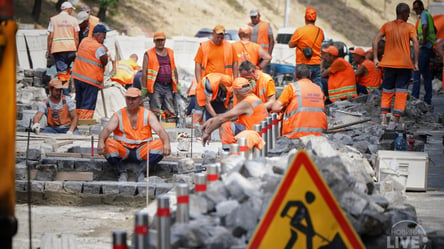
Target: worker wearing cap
(160, 78)
(92, 20)
(88, 71)
(132, 138)
(262, 84)
(60, 112)
(309, 36)
(261, 32)
(427, 40)
(214, 94)
(249, 111)
(251, 51)
(397, 61)
(63, 40)
(368, 77)
(304, 101)
(82, 20)
(125, 71)
(341, 82)
(216, 56)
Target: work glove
(69, 133)
(36, 128)
(144, 92)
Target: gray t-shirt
(255, 29)
(57, 106)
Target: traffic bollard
(234, 149)
(163, 222)
(243, 149)
(200, 183)
(141, 231)
(274, 129)
(183, 203)
(212, 174)
(269, 133)
(264, 127)
(119, 239)
(257, 152)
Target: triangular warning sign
(304, 213)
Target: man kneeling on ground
(132, 126)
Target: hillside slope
(355, 22)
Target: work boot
(123, 177)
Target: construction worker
(126, 70)
(214, 94)
(63, 40)
(92, 20)
(249, 111)
(261, 32)
(82, 20)
(426, 36)
(88, 71)
(191, 92)
(368, 77)
(261, 83)
(309, 37)
(59, 110)
(248, 50)
(216, 56)
(341, 82)
(397, 62)
(132, 139)
(160, 78)
(304, 101)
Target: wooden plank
(74, 176)
(168, 125)
(87, 122)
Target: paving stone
(38, 186)
(87, 165)
(92, 187)
(127, 188)
(110, 188)
(54, 186)
(73, 187)
(46, 172)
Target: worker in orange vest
(63, 40)
(125, 70)
(261, 32)
(249, 111)
(88, 71)
(132, 140)
(368, 77)
(261, 83)
(247, 50)
(216, 56)
(304, 101)
(92, 20)
(160, 78)
(214, 94)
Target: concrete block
(21, 185)
(110, 188)
(34, 154)
(53, 186)
(353, 203)
(181, 178)
(87, 165)
(46, 172)
(185, 165)
(37, 186)
(92, 187)
(224, 208)
(127, 188)
(73, 187)
(256, 169)
(66, 164)
(239, 187)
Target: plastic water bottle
(400, 143)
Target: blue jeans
(424, 69)
(49, 129)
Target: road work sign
(304, 213)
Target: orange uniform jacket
(259, 113)
(341, 82)
(305, 113)
(214, 79)
(62, 117)
(125, 71)
(87, 67)
(64, 33)
(262, 35)
(153, 69)
(93, 21)
(305, 37)
(129, 137)
(228, 57)
(373, 78)
(247, 51)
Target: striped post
(141, 230)
(264, 128)
(163, 222)
(119, 239)
(200, 183)
(234, 149)
(257, 152)
(274, 129)
(269, 133)
(183, 203)
(212, 174)
(243, 149)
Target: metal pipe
(183, 203)
(264, 127)
(234, 149)
(243, 149)
(141, 231)
(257, 152)
(274, 128)
(200, 183)
(269, 133)
(163, 222)
(212, 174)
(119, 239)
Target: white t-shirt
(57, 106)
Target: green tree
(107, 5)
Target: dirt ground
(92, 226)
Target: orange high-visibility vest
(373, 78)
(248, 51)
(60, 117)
(259, 112)
(129, 137)
(261, 86)
(305, 114)
(87, 67)
(228, 57)
(262, 35)
(342, 84)
(93, 21)
(214, 79)
(64, 33)
(153, 69)
(192, 89)
(125, 71)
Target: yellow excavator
(8, 29)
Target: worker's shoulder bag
(308, 51)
